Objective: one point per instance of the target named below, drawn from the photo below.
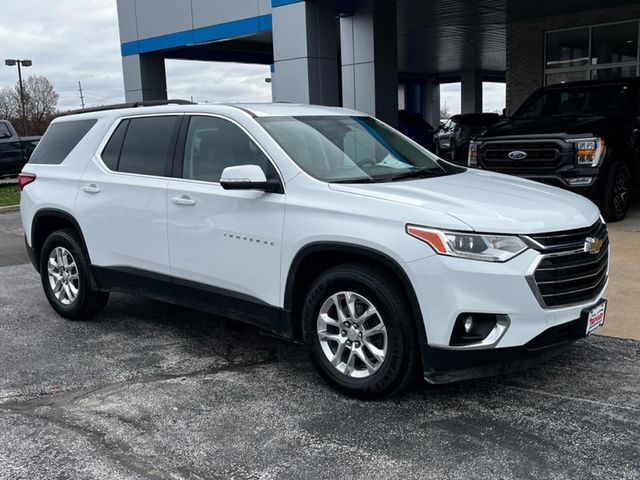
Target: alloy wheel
(621, 192)
(352, 334)
(63, 275)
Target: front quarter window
(353, 149)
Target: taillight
(25, 179)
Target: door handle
(93, 188)
(184, 200)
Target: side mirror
(248, 177)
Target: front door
(224, 241)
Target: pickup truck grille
(567, 274)
(494, 155)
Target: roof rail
(120, 106)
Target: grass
(9, 195)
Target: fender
(36, 244)
(373, 254)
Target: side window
(4, 131)
(59, 139)
(148, 145)
(213, 144)
(111, 153)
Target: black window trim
(178, 159)
(169, 160)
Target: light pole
(23, 63)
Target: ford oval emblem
(517, 155)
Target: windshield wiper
(423, 173)
(356, 180)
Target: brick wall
(525, 47)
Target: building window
(596, 52)
(569, 48)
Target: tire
(616, 195)
(62, 257)
(366, 286)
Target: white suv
(322, 225)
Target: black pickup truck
(14, 150)
(583, 136)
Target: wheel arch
(316, 258)
(48, 220)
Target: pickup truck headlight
(473, 246)
(589, 151)
(472, 159)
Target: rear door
(121, 205)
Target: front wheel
(360, 331)
(64, 270)
(616, 196)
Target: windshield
(609, 100)
(353, 149)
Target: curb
(10, 209)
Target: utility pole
(81, 96)
(25, 63)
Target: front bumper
(447, 287)
(591, 191)
(446, 366)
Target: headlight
(589, 151)
(472, 159)
(487, 248)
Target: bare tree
(444, 111)
(40, 100)
(9, 104)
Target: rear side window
(149, 144)
(58, 141)
(111, 153)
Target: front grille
(570, 239)
(567, 274)
(540, 155)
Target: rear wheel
(65, 275)
(361, 332)
(616, 197)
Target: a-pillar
(369, 56)
(145, 77)
(305, 48)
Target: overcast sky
(71, 40)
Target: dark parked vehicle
(583, 136)
(452, 139)
(417, 129)
(14, 150)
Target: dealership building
(377, 55)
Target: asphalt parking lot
(154, 391)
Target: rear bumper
(446, 366)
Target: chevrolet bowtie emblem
(593, 245)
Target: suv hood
(487, 202)
(558, 125)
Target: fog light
(468, 324)
(575, 181)
(478, 330)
